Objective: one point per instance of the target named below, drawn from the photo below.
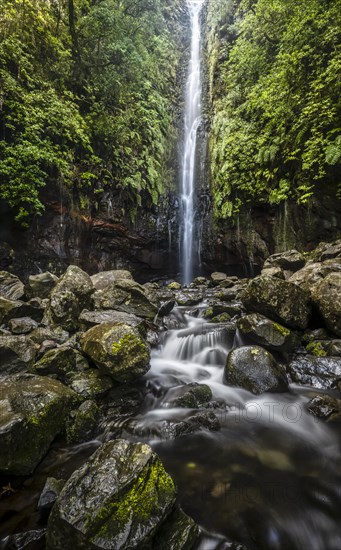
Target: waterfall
(192, 123)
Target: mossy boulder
(90, 319)
(10, 286)
(17, 353)
(82, 423)
(128, 296)
(70, 296)
(118, 499)
(326, 295)
(105, 279)
(279, 300)
(255, 369)
(63, 362)
(90, 384)
(267, 333)
(291, 260)
(33, 410)
(118, 350)
(41, 285)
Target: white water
(192, 123)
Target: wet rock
(128, 296)
(230, 309)
(63, 362)
(273, 272)
(313, 273)
(166, 308)
(199, 281)
(106, 279)
(82, 423)
(325, 407)
(90, 319)
(178, 532)
(41, 285)
(10, 286)
(33, 410)
(24, 325)
(254, 369)
(319, 372)
(279, 300)
(191, 396)
(326, 295)
(266, 333)
(14, 309)
(17, 353)
(50, 493)
(55, 334)
(291, 260)
(118, 499)
(174, 286)
(227, 295)
(217, 278)
(118, 350)
(90, 384)
(30, 540)
(69, 297)
(326, 251)
(172, 429)
(189, 298)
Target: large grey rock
(326, 295)
(10, 286)
(118, 350)
(291, 260)
(279, 300)
(128, 296)
(255, 369)
(17, 353)
(23, 325)
(70, 296)
(15, 309)
(32, 412)
(41, 285)
(90, 319)
(63, 362)
(319, 372)
(313, 273)
(118, 500)
(217, 278)
(106, 279)
(90, 384)
(266, 333)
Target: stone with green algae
(118, 350)
(265, 332)
(118, 499)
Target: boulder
(197, 422)
(70, 296)
(90, 319)
(325, 407)
(54, 334)
(106, 279)
(23, 325)
(189, 298)
(313, 273)
(190, 396)
(90, 384)
(10, 286)
(291, 260)
(49, 494)
(178, 532)
(267, 333)
(255, 369)
(82, 423)
(174, 285)
(326, 295)
(17, 353)
(33, 412)
(128, 296)
(41, 285)
(217, 278)
(279, 300)
(319, 372)
(118, 350)
(273, 272)
(14, 309)
(62, 362)
(118, 499)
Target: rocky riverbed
(75, 381)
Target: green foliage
(86, 99)
(275, 89)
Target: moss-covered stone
(81, 424)
(118, 349)
(33, 410)
(267, 333)
(317, 349)
(127, 296)
(327, 296)
(17, 353)
(118, 499)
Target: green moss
(131, 346)
(316, 348)
(284, 331)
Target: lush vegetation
(87, 98)
(274, 77)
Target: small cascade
(192, 123)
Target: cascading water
(192, 123)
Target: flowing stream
(192, 122)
